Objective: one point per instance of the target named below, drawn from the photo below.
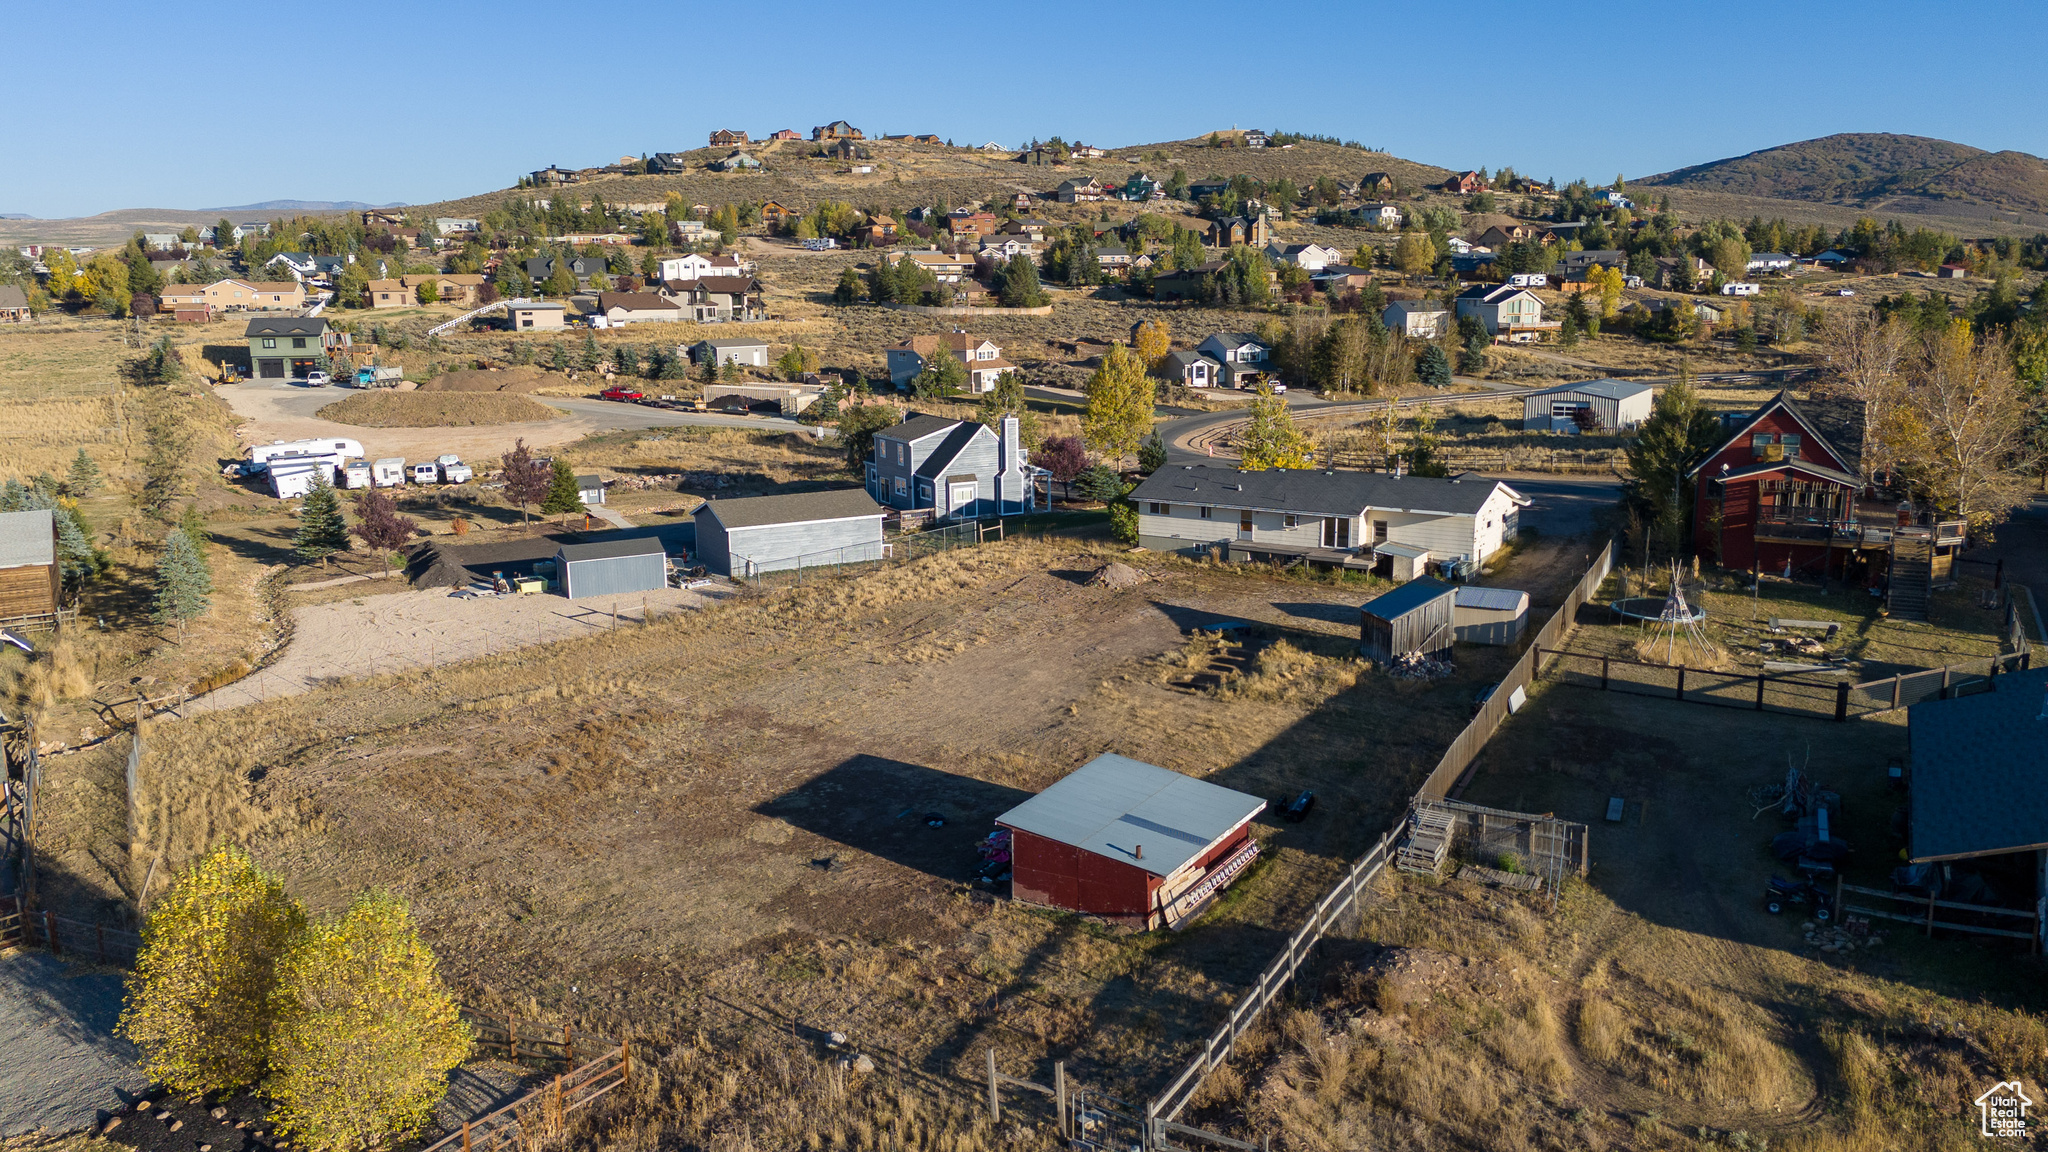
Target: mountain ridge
(1876, 170)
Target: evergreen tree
(183, 587)
(1019, 283)
(84, 478)
(78, 561)
(558, 358)
(365, 1032)
(849, 289)
(1433, 367)
(1677, 433)
(1152, 454)
(626, 360)
(588, 357)
(323, 530)
(563, 498)
(11, 495)
(1100, 482)
(707, 370)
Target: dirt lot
(435, 410)
(722, 812)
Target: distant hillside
(1880, 171)
(307, 206)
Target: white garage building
(1619, 405)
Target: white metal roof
(27, 538)
(1114, 806)
(1492, 599)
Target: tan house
(945, 267)
(256, 295)
(13, 305)
(388, 294)
(532, 315)
(983, 359)
(776, 215)
(458, 288)
(727, 137)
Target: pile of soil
(1116, 574)
(487, 380)
(424, 409)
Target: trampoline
(1651, 609)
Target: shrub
(1123, 521)
(366, 1032)
(199, 999)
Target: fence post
(50, 931)
(625, 1061)
(1759, 691)
(1945, 680)
(568, 1046)
(1603, 673)
(1681, 681)
(1841, 701)
(995, 1103)
(1898, 679)
(465, 1136)
(512, 1035)
(1059, 1094)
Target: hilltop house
(288, 347)
(256, 295)
(1230, 231)
(696, 265)
(1374, 184)
(983, 358)
(667, 164)
(727, 137)
(1378, 214)
(1313, 257)
(1507, 312)
(837, 130)
(712, 299)
(960, 469)
(1361, 520)
(1464, 184)
(736, 162)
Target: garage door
(270, 369)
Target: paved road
(2023, 545)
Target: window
(1790, 443)
(1244, 522)
(1290, 520)
(269, 342)
(1760, 445)
(1337, 532)
(1156, 508)
(1204, 511)
(298, 341)
(902, 486)
(1379, 531)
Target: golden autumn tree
(1270, 438)
(1151, 342)
(199, 999)
(1119, 404)
(366, 1032)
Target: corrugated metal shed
(1489, 615)
(1416, 617)
(612, 567)
(1114, 806)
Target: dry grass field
(435, 409)
(724, 812)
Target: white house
(1616, 405)
(696, 266)
(1424, 319)
(452, 225)
(1380, 214)
(748, 353)
(1313, 257)
(1771, 262)
(1355, 519)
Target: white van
(388, 472)
(426, 472)
(356, 475)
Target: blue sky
(350, 102)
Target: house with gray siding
(757, 534)
(1384, 521)
(960, 469)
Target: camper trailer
(426, 472)
(356, 475)
(296, 475)
(261, 455)
(388, 472)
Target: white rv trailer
(388, 472)
(356, 475)
(345, 448)
(296, 475)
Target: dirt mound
(1116, 574)
(435, 410)
(486, 380)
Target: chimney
(1138, 851)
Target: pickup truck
(619, 394)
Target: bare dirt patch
(435, 410)
(490, 380)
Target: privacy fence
(1341, 902)
(837, 563)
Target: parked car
(426, 472)
(616, 393)
(318, 380)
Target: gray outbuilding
(612, 567)
(590, 489)
(1414, 618)
(1489, 615)
(1615, 405)
(757, 534)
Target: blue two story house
(960, 469)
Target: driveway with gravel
(398, 631)
(61, 1066)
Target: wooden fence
(64, 936)
(1923, 912)
(531, 1043)
(544, 1112)
(1342, 899)
(1799, 693)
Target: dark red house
(1119, 837)
(1785, 490)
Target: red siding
(1048, 872)
(1734, 544)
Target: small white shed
(1489, 615)
(590, 489)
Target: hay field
(436, 410)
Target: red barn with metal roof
(1119, 837)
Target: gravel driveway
(60, 1065)
(420, 629)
